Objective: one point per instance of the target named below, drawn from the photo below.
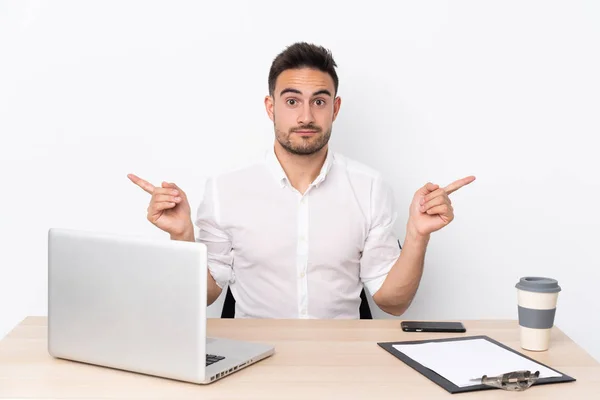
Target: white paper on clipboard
(462, 360)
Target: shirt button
(302, 238)
(304, 311)
(302, 274)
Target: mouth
(306, 132)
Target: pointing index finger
(147, 186)
(454, 186)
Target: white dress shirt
(289, 255)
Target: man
(298, 234)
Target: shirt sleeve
(382, 247)
(210, 233)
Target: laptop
(137, 304)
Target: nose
(306, 116)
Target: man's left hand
(431, 208)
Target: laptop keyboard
(211, 359)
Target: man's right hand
(169, 209)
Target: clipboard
(451, 387)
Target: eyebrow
(318, 92)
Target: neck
(301, 170)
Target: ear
(337, 103)
(269, 106)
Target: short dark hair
(303, 55)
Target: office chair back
(229, 306)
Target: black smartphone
(432, 326)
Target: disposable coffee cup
(537, 298)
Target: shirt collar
(279, 174)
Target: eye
(320, 102)
(291, 102)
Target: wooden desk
(314, 359)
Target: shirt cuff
(221, 273)
(375, 284)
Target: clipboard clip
(515, 381)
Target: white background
(431, 91)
